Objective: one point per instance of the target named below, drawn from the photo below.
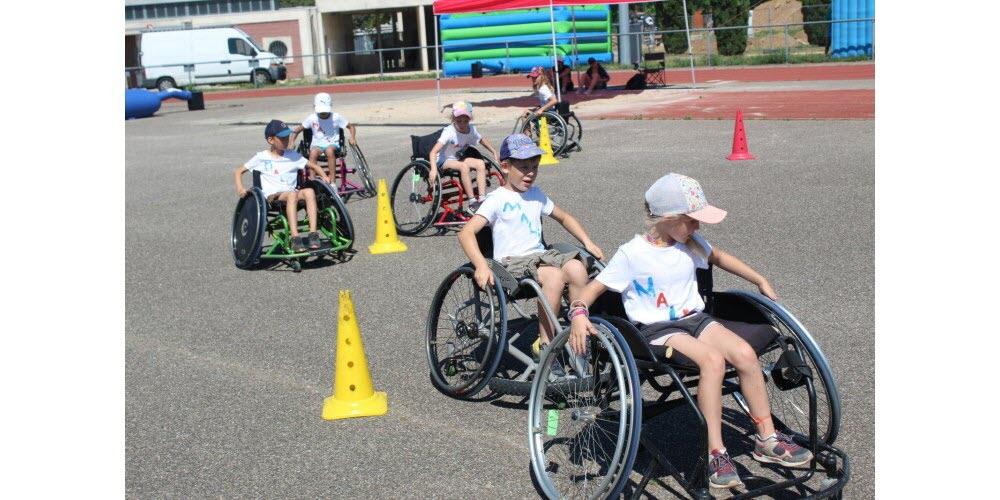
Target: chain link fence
(766, 44)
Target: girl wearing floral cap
(454, 137)
(543, 87)
(655, 274)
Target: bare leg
(313, 156)
(331, 162)
(739, 354)
(480, 167)
(575, 274)
(291, 211)
(463, 175)
(310, 197)
(712, 366)
(552, 283)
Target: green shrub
(817, 10)
(670, 16)
(731, 13)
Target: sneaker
(587, 92)
(723, 473)
(780, 449)
(474, 204)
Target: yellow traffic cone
(546, 144)
(353, 395)
(386, 239)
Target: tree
(817, 10)
(284, 4)
(670, 17)
(731, 42)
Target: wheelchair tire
(575, 133)
(790, 406)
(558, 131)
(249, 226)
(414, 199)
(364, 171)
(583, 444)
(327, 197)
(466, 334)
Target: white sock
(765, 438)
(720, 450)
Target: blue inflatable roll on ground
(141, 103)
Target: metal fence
(771, 43)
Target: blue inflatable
(141, 103)
(520, 63)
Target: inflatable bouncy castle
(521, 39)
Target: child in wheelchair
(279, 169)
(454, 138)
(543, 87)
(326, 128)
(655, 273)
(514, 213)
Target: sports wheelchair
(416, 201)
(349, 160)
(468, 329)
(261, 228)
(565, 130)
(584, 439)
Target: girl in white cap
(325, 126)
(655, 273)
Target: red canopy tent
(463, 6)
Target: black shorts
(692, 324)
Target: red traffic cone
(740, 149)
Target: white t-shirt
(325, 131)
(544, 94)
(277, 175)
(516, 219)
(656, 283)
(453, 141)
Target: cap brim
(461, 113)
(708, 215)
(284, 133)
(528, 153)
(324, 109)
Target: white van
(205, 55)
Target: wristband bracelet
(576, 312)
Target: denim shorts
(322, 145)
(692, 324)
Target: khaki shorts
(526, 266)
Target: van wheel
(260, 77)
(166, 83)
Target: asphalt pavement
(226, 370)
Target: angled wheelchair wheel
(249, 226)
(414, 199)
(334, 220)
(558, 131)
(363, 170)
(575, 131)
(788, 397)
(466, 334)
(584, 437)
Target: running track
(701, 104)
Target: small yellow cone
(353, 395)
(386, 239)
(546, 144)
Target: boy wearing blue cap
(514, 212)
(279, 170)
